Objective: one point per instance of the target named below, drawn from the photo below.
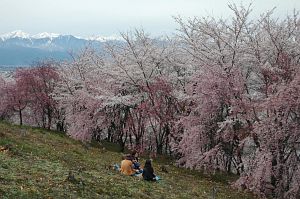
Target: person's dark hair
(148, 164)
(127, 157)
(134, 155)
(148, 172)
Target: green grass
(39, 162)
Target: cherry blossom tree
(147, 74)
(85, 92)
(5, 110)
(240, 68)
(218, 103)
(16, 99)
(38, 83)
(278, 134)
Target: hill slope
(35, 163)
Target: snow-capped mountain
(45, 35)
(15, 34)
(21, 48)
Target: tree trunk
(159, 148)
(21, 118)
(122, 145)
(49, 118)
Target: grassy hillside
(35, 163)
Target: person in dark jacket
(148, 172)
(135, 161)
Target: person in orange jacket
(127, 167)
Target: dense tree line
(222, 95)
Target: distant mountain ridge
(18, 48)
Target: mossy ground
(38, 163)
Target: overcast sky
(109, 17)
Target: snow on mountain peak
(45, 35)
(14, 34)
(24, 35)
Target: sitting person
(135, 161)
(127, 166)
(136, 166)
(148, 172)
